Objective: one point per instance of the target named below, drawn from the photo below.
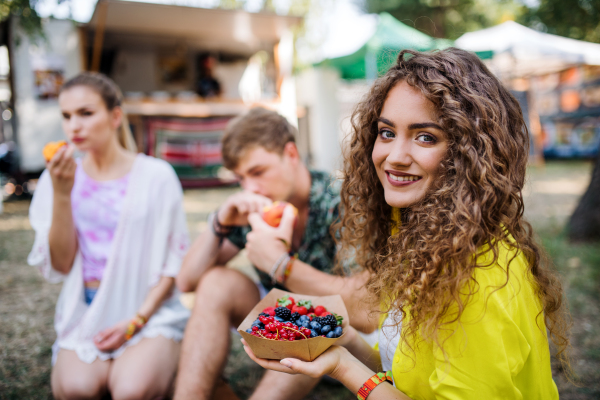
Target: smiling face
(268, 173)
(89, 125)
(410, 146)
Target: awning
(376, 56)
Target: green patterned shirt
(318, 246)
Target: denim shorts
(89, 294)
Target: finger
(274, 365)
(256, 221)
(68, 154)
(286, 226)
(302, 367)
(56, 157)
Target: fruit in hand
(280, 323)
(272, 214)
(51, 148)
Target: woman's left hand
(327, 363)
(112, 338)
(265, 244)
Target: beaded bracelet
(219, 230)
(372, 383)
(287, 270)
(135, 325)
(283, 259)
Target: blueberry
(315, 325)
(338, 331)
(331, 335)
(278, 319)
(304, 317)
(249, 330)
(325, 329)
(305, 324)
(313, 333)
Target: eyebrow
(419, 125)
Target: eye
(386, 134)
(86, 113)
(66, 116)
(426, 138)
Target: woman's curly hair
(428, 265)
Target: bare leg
(281, 386)
(74, 379)
(145, 371)
(223, 298)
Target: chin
(397, 200)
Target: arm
(112, 338)
(205, 252)
(264, 247)
(62, 237)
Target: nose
(74, 124)
(251, 185)
(400, 153)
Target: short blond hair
(259, 127)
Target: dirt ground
(27, 301)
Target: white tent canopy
(519, 50)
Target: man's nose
(250, 185)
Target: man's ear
(290, 150)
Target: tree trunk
(585, 221)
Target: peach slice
(272, 214)
(51, 148)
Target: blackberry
(328, 320)
(295, 316)
(283, 313)
(264, 314)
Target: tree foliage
(447, 18)
(29, 19)
(577, 19)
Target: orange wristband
(135, 325)
(372, 383)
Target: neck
(301, 195)
(105, 158)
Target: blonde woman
(112, 227)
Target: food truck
(184, 71)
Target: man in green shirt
(260, 148)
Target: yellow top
(499, 350)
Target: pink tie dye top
(96, 211)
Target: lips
(77, 140)
(396, 178)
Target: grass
(27, 302)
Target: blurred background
(186, 67)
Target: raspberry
(283, 313)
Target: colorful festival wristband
(135, 325)
(287, 270)
(372, 383)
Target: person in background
(433, 209)
(260, 148)
(111, 226)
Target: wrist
(62, 197)
(350, 371)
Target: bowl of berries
(285, 324)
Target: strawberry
(285, 301)
(319, 310)
(270, 311)
(324, 314)
(300, 310)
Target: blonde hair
(111, 96)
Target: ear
(290, 150)
(116, 116)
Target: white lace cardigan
(150, 241)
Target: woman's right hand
(62, 170)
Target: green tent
(380, 52)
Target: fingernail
(286, 363)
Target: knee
(215, 284)
(67, 388)
(134, 389)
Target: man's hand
(235, 210)
(265, 244)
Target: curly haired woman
(438, 159)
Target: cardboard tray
(306, 349)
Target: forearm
(201, 256)
(62, 237)
(309, 280)
(353, 374)
(360, 349)
(156, 296)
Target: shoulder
(155, 168)
(325, 189)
